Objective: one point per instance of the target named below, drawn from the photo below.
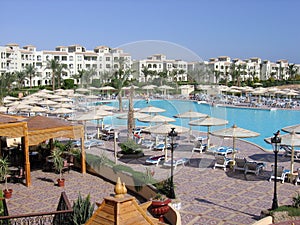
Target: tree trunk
(120, 101)
(130, 119)
(53, 82)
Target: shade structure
(62, 111)
(294, 128)
(151, 109)
(106, 88)
(106, 107)
(208, 122)
(136, 115)
(190, 114)
(164, 129)
(291, 139)
(156, 119)
(35, 109)
(47, 102)
(234, 132)
(82, 90)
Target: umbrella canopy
(47, 102)
(151, 109)
(61, 111)
(149, 87)
(10, 98)
(294, 128)
(291, 139)
(88, 116)
(106, 88)
(35, 109)
(156, 119)
(136, 115)
(164, 129)
(190, 114)
(82, 90)
(208, 122)
(234, 132)
(106, 107)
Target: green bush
(292, 211)
(296, 201)
(130, 147)
(82, 210)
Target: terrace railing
(62, 216)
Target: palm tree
(6, 81)
(119, 79)
(53, 64)
(60, 69)
(79, 76)
(20, 78)
(30, 72)
(292, 70)
(162, 75)
(217, 74)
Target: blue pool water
(265, 122)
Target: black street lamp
(275, 140)
(172, 135)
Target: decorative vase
(160, 208)
(7, 193)
(61, 182)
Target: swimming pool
(265, 122)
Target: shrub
(296, 200)
(130, 147)
(82, 209)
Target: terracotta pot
(7, 193)
(61, 182)
(159, 208)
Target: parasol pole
(208, 141)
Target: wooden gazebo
(35, 130)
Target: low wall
(146, 192)
(264, 221)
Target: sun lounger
(176, 162)
(198, 146)
(155, 160)
(281, 173)
(221, 161)
(254, 167)
(239, 164)
(222, 150)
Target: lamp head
(275, 141)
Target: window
(107, 66)
(107, 58)
(71, 58)
(64, 58)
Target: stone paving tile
(208, 196)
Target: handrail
(64, 208)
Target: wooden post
(83, 164)
(25, 146)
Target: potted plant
(4, 174)
(58, 161)
(160, 206)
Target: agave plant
(82, 209)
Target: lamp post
(275, 140)
(172, 135)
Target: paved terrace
(208, 196)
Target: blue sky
(268, 29)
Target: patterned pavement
(207, 196)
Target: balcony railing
(62, 216)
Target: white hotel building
(75, 57)
(105, 60)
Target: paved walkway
(207, 196)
